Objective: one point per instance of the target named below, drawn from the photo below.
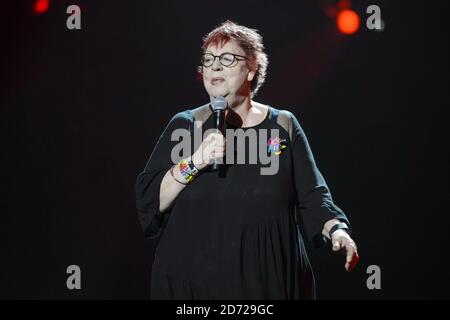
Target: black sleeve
(148, 182)
(315, 203)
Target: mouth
(217, 80)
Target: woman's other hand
(341, 240)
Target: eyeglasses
(225, 59)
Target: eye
(207, 59)
(227, 58)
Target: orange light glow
(347, 21)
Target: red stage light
(347, 21)
(40, 6)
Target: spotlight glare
(347, 21)
(41, 6)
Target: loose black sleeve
(315, 202)
(148, 182)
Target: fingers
(337, 240)
(351, 251)
(218, 145)
(351, 254)
(215, 139)
(215, 136)
(336, 245)
(354, 261)
(214, 147)
(217, 153)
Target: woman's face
(230, 81)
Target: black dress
(235, 234)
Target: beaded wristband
(188, 170)
(173, 176)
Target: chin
(216, 93)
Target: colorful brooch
(275, 145)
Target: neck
(241, 106)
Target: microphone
(219, 105)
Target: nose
(216, 65)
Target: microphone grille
(219, 103)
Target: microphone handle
(218, 124)
(215, 165)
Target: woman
(236, 236)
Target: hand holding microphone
(219, 106)
(213, 147)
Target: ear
(251, 75)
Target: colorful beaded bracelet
(188, 170)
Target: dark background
(81, 111)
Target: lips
(217, 80)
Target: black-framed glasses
(226, 59)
